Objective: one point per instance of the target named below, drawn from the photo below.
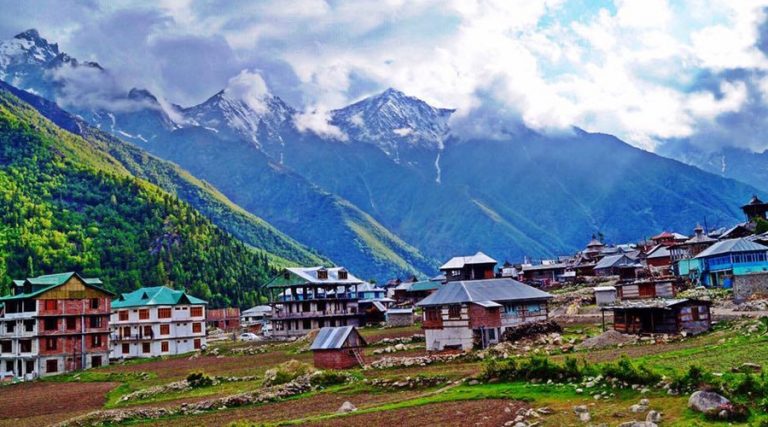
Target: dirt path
(45, 403)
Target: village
(669, 330)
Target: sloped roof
(732, 246)
(594, 243)
(259, 309)
(309, 275)
(47, 282)
(659, 251)
(400, 311)
(157, 295)
(663, 235)
(503, 289)
(330, 338)
(699, 236)
(461, 261)
(404, 286)
(426, 285)
(554, 266)
(620, 260)
(665, 303)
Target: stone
(653, 417)
(704, 401)
(644, 402)
(580, 409)
(636, 409)
(749, 367)
(399, 347)
(579, 390)
(545, 411)
(645, 391)
(346, 407)
(584, 417)
(473, 382)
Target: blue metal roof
(732, 246)
(496, 290)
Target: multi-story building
(312, 298)
(156, 321)
(53, 324)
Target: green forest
(65, 206)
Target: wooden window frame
(123, 315)
(164, 313)
(197, 328)
(51, 305)
(144, 314)
(454, 311)
(51, 366)
(165, 329)
(196, 312)
(165, 347)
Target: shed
(662, 316)
(338, 348)
(399, 317)
(605, 295)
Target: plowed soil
(44, 403)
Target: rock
(579, 390)
(545, 411)
(653, 417)
(580, 409)
(748, 367)
(399, 347)
(636, 409)
(584, 417)
(704, 401)
(347, 407)
(645, 391)
(473, 382)
(637, 424)
(644, 402)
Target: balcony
(315, 314)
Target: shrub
(199, 379)
(695, 378)
(328, 378)
(506, 370)
(624, 370)
(286, 372)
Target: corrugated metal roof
(424, 286)
(503, 289)
(461, 261)
(614, 261)
(538, 267)
(659, 251)
(259, 309)
(330, 338)
(487, 304)
(652, 303)
(156, 295)
(400, 311)
(45, 283)
(731, 246)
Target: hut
(400, 317)
(338, 348)
(662, 316)
(605, 295)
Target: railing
(309, 314)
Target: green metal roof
(426, 285)
(157, 295)
(45, 283)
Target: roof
(557, 266)
(476, 291)
(330, 338)
(620, 260)
(259, 309)
(663, 235)
(369, 287)
(487, 304)
(461, 261)
(309, 275)
(663, 303)
(699, 236)
(404, 286)
(400, 311)
(41, 284)
(731, 246)
(659, 251)
(426, 285)
(754, 201)
(604, 288)
(157, 295)
(594, 243)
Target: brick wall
(750, 284)
(334, 359)
(484, 317)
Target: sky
(648, 71)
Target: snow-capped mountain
(393, 121)
(257, 121)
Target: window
(146, 347)
(343, 275)
(51, 365)
(197, 328)
(534, 308)
(5, 346)
(165, 329)
(491, 334)
(306, 324)
(143, 314)
(511, 310)
(454, 311)
(95, 322)
(695, 313)
(123, 315)
(196, 312)
(322, 274)
(94, 303)
(25, 346)
(51, 343)
(96, 341)
(30, 366)
(163, 313)
(71, 323)
(148, 331)
(127, 331)
(432, 314)
(50, 324)
(50, 304)
(305, 307)
(95, 361)
(197, 344)
(126, 348)
(10, 327)
(29, 325)
(164, 347)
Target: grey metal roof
(461, 261)
(537, 267)
(332, 337)
(732, 246)
(659, 251)
(620, 260)
(503, 289)
(653, 303)
(310, 275)
(400, 311)
(259, 309)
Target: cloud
(319, 122)
(249, 87)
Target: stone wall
(749, 284)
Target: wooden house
(646, 289)
(724, 260)
(618, 265)
(477, 266)
(605, 295)
(338, 348)
(226, 319)
(467, 314)
(662, 316)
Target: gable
(73, 288)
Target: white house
(156, 321)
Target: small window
(71, 323)
(95, 361)
(126, 348)
(432, 314)
(197, 328)
(95, 322)
(695, 313)
(143, 314)
(148, 331)
(343, 275)
(51, 324)
(51, 366)
(146, 347)
(51, 343)
(306, 324)
(96, 340)
(50, 304)
(10, 327)
(30, 366)
(196, 312)
(163, 313)
(25, 346)
(164, 346)
(454, 311)
(165, 329)
(123, 314)
(322, 274)
(94, 303)
(5, 346)
(29, 325)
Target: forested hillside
(66, 206)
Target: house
(617, 265)
(725, 259)
(338, 348)
(255, 314)
(475, 313)
(156, 321)
(545, 273)
(372, 302)
(477, 266)
(682, 254)
(605, 295)
(665, 238)
(226, 319)
(755, 208)
(400, 293)
(420, 290)
(53, 324)
(662, 316)
(593, 249)
(399, 317)
(646, 289)
(308, 298)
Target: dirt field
(36, 404)
(489, 412)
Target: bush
(505, 370)
(535, 367)
(624, 370)
(695, 378)
(199, 379)
(286, 372)
(328, 378)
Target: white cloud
(249, 87)
(318, 121)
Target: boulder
(347, 407)
(705, 401)
(653, 417)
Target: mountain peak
(32, 35)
